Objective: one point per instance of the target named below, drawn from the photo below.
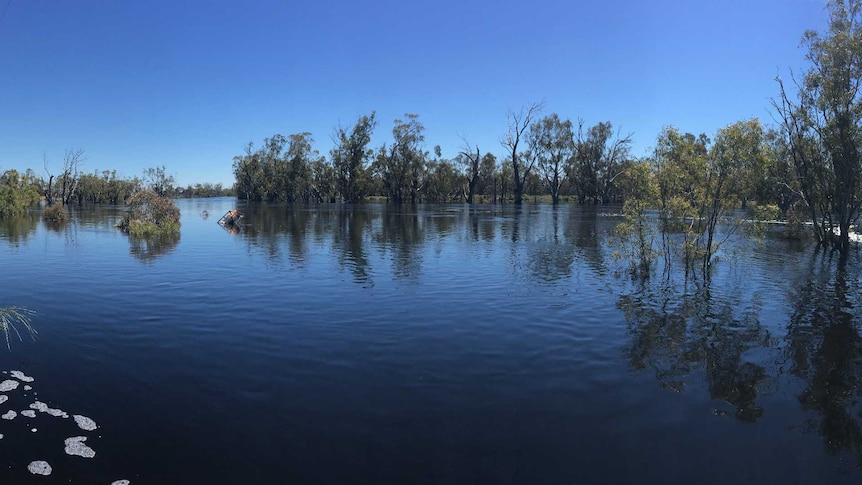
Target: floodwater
(431, 344)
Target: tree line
(807, 166)
(69, 186)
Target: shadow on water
(681, 332)
(824, 350)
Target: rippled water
(438, 344)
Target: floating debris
(84, 422)
(8, 385)
(43, 408)
(29, 413)
(75, 446)
(39, 467)
(17, 374)
(9, 415)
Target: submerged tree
(551, 142)
(823, 127)
(598, 160)
(520, 161)
(350, 156)
(401, 165)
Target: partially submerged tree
(63, 189)
(401, 166)
(350, 157)
(520, 161)
(598, 159)
(823, 127)
(150, 215)
(551, 142)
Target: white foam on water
(3, 398)
(8, 385)
(28, 388)
(75, 446)
(9, 415)
(33, 430)
(39, 406)
(29, 413)
(17, 374)
(121, 482)
(39, 467)
(84, 422)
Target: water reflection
(16, 230)
(824, 350)
(680, 331)
(150, 248)
(548, 241)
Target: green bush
(55, 213)
(150, 215)
(17, 194)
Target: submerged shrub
(150, 215)
(55, 213)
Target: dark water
(432, 345)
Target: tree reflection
(679, 331)
(825, 351)
(348, 237)
(402, 235)
(153, 247)
(16, 230)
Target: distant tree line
(70, 186)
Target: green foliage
(55, 213)
(822, 128)
(17, 194)
(151, 215)
(350, 157)
(552, 144)
(636, 234)
(401, 166)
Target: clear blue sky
(187, 84)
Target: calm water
(437, 344)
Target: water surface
(430, 344)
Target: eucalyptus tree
(350, 157)
(299, 159)
(401, 165)
(597, 162)
(822, 127)
(470, 161)
(488, 176)
(520, 161)
(551, 142)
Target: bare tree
(471, 161)
(522, 163)
(67, 181)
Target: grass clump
(55, 213)
(150, 215)
(11, 317)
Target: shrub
(55, 213)
(17, 194)
(150, 215)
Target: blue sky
(187, 84)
